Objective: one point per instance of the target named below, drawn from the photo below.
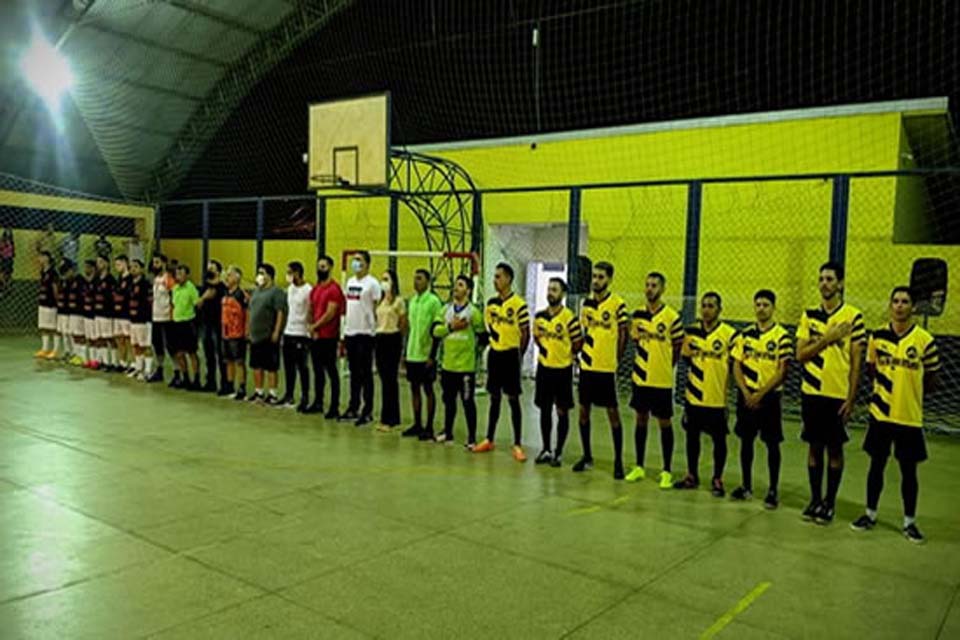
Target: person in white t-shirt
(363, 292)
(296, 338)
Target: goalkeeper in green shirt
(458, 325)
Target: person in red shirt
(233, 325)
(327, 304)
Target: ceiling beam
(217, 16)
(156, 45)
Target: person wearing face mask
(391, 327)
(360, 326)
(268, 306)
(296, 338)
(209, 309)
(421, 354)
(326, 305)
(161, 313)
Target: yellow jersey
(504, 320)
(709, 363)
(828, 374)
(555, 337)
(901, 362)
(760, 354)
(655, 335)
(601, 321)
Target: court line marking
(737, 609)
(579, 511)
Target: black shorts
(908, 442)
(182, 336)
(419, 374)
(503, 372)
(766, 419)
(709, 420)
(822, 424)
(6, 265)
(265, 356)
(598, 388)
(554, 387)
(455, 383)
(653, 400)
(234, 349)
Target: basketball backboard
(349, 143)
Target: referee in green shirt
(421, 353)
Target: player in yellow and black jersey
(557, 333)
(707, 346)
(761, 356)
(508, 325)
(904, 360)
(603, 318)
(830, 344)
(657, 333)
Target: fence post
(691, 258)
(157, 218)
(393, 231)
(259, 233)
(476, 226)
(321, 225)
(205, 230)
(839, 217)
(573, 241)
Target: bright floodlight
(46, 71)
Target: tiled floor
(133, 511)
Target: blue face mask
(357, 266)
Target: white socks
(872, 514)
(139, 364)
(45, 339)
(907, 521)
(148, 365)
(55, 339)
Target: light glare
(46, 71)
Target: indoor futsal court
(421, 319)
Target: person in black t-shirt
(141, 314)
(209, 310)
(121, 314)
(63, 312)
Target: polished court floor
(135, 511)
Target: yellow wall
(25, 262)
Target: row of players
(831, 340)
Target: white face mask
(357, 266)
(385, 284)
(261, 279)
(289, 278)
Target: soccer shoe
(740, 494)
(286, 403)
(426, 435)
(272, 400)
(544, 457)
(132, 373)
(556, 461)
(95, 365)
(142, 378)
(688, 482)
(225, 391)
(241, 394)
(483, 447)
(636, 474)
(666, 480)
(383, 428)
(824, 514)
(517, 452)
(469, 447)
(254, 397)
(618, 470)
(349, 416)
(51, 355)
(42, 353)
(412, 432)
(716, 488)
(303, 408)
(156, 376)
(443, 438)
(583, 464)
(176, 383)
(863, 523)
(810, 513)
(363, 421)
(772, 501)
(912, 533)
(332, 414)
(76, 361)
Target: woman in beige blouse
(391, 327)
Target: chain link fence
(36, 217)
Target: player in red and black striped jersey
(63, 314)
(103, 314)
(47, 307)
(121, 314)
(140, 311)
(74, 288)
(88, 298)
